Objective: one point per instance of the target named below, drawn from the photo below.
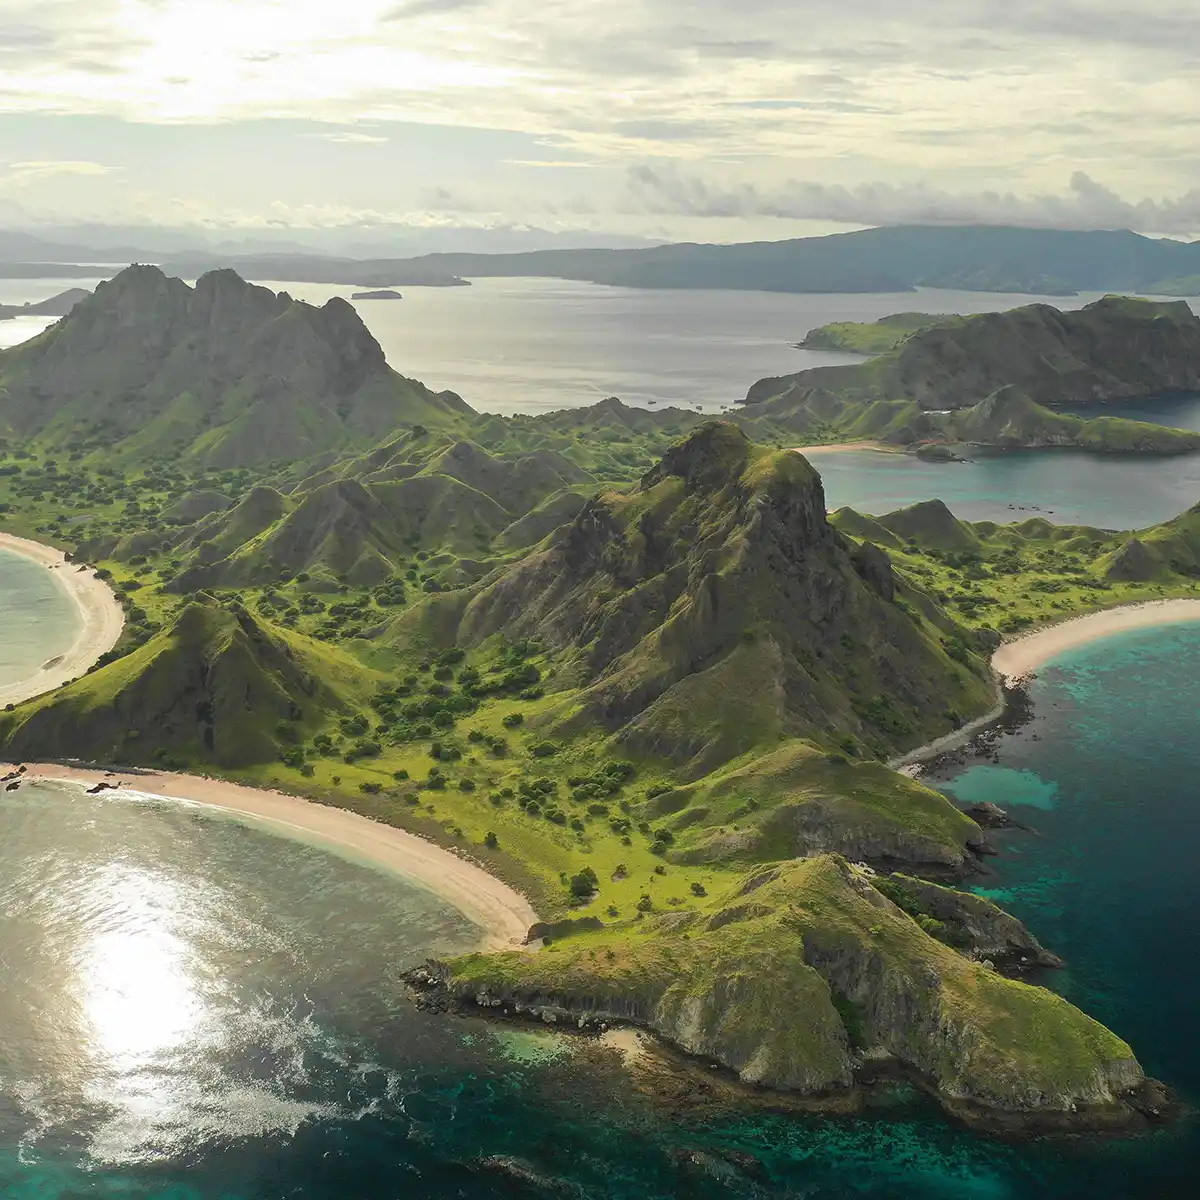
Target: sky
(370, 122)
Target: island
(56, 306)
(1007, 380)
(624, 661)
(381, 294)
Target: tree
(584, 885)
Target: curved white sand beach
(1018, 658)
(500, 911)
(842, 447)
(101, 620)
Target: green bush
(584, 885)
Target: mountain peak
(711, 456)
(227, 371)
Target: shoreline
(502, 913)
(1017, 659)
(1014, 663)
(842, 447)
(101, 616)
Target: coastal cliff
(800, 978)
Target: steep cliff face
(225, 372)
(802, 974)
(714, 607)
(1114, 349)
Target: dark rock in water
(520, 1171)
(12, 787)
(989, 815)
(938, 452)
(972, 924)
(724, 1167)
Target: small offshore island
(623, 660)
(381, 294)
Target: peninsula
(623, 660)
(1004, 379)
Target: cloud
(429, 8)
(350, 137)
(21, 173)
(1086, 205)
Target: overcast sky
(699, 119)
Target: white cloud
(979, 107)
(351, 138)
(1086, 204)
(22, 173)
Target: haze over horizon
(475, 124)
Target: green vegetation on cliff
(856, 976)
(1008, 577)
(873, 337)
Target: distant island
(903, 258)
(381, 294)
(56, 306)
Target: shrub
(698, 889)
(466, 785)
(513, 719)
(584, 885)
(371, 789)
(544, 749)
(491, 841)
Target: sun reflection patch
(139, 998)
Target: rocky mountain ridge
(226, 373)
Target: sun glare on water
(139, 997)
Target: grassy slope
(815, 940)
(1008, 577)
(869, 337)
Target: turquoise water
(37, 619)
(195, 1010)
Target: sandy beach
(1018, 660)
(101, 620)
(1020, 657)
(500, 911)
(842, 447)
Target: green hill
(217, 686)
(224, 374)
(873, 337)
